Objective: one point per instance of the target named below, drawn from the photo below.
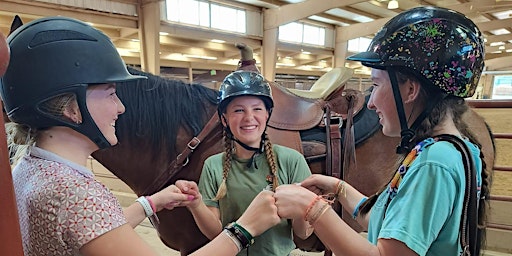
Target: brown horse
(163, 115)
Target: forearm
(134, 214)
(220, 245)
(208, 223)
(340, 237)
(301, 228)
(349, 197)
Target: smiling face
(382, 101)
(105, 107)
(246, 116)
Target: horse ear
(16, 23)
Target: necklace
(402, 170)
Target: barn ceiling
(351, 19)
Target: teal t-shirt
(425, 214)
(244, 183)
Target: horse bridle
(182, 159)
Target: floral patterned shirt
(61, 206)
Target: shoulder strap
(469, 221)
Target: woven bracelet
(340, 189)
(356, 209)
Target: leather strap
(468, 232)
(349, 144)
(182, 158)
(333, 163)
(333, 154)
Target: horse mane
(156, 108)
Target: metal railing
(499, 136)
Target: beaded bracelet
(356, 209)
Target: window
(206, 14)
(359, 44)
(301, 33)
(502, 88)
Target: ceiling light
(393, 4)
(217, 41)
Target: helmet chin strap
(247, 147)
(407, 134)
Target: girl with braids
(424, 62)
(250, 164)
(58, 121)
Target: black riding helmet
(244, 83)
(54, 56)
(443, 47)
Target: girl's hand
(321, 184)
(293, 200)
(170, 197)
(190, 188)
(261, 214)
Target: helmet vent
(52, 36)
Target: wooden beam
(495, 24)
(180, 31)
(499, 63)
(269, 57)
(369, 28)
(40, 9)
(273, 18)
(149, 32)
(359, 29)
(498, 38)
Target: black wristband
(240, 235)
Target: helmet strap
(406, 133)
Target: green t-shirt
(244, 183)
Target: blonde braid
(271, 159)
(228, 145)
(19, 138)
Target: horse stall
(499, 231)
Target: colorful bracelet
(310, 206)
(356, 209)
(316, 215)
(146, 206)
